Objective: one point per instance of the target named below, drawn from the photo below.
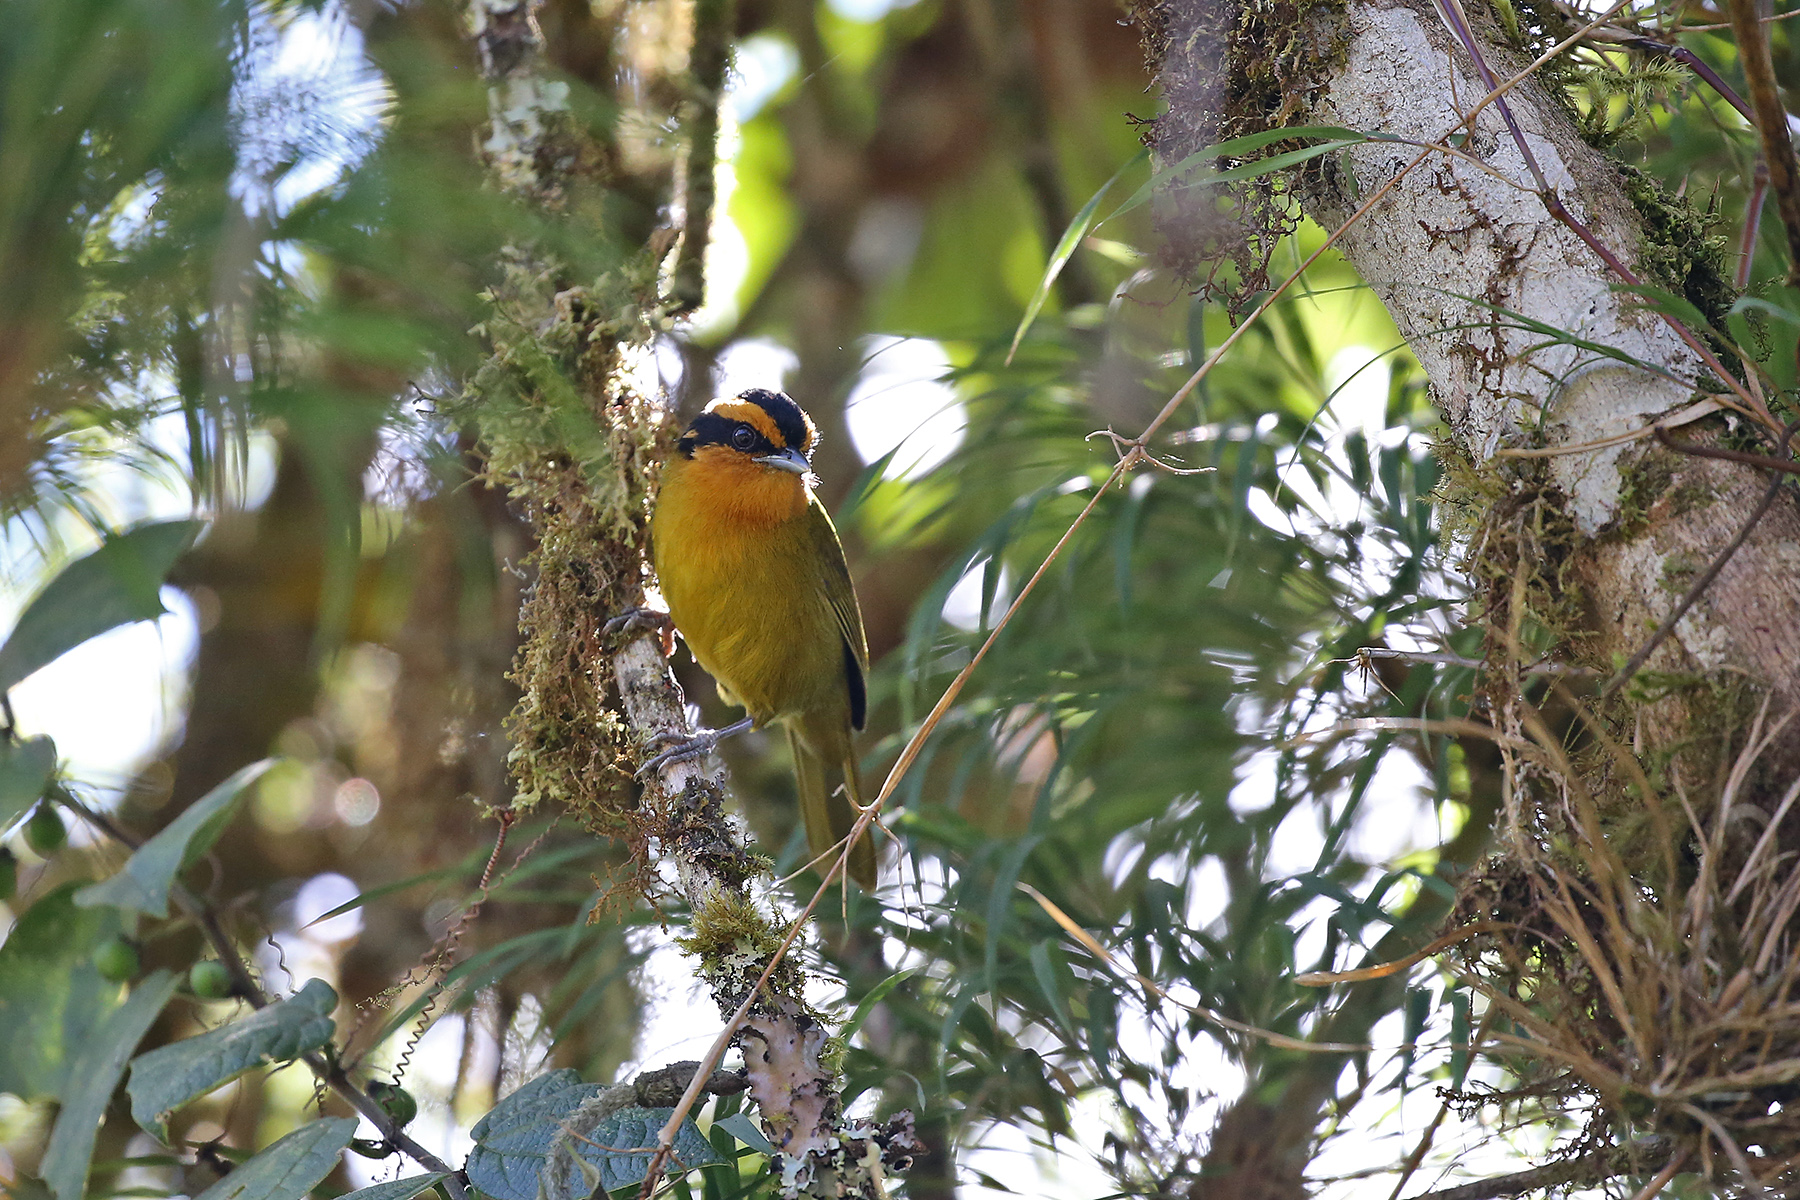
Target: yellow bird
(756, 583)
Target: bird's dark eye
(743, 437)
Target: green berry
(9, 873)
(395, 1101)
(209, 979)
(45, 833)
(369, 1149)
(117, 960)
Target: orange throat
(727, 490)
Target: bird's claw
(680, 750)
(637, 620)
(686, 749)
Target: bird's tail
(828, 816)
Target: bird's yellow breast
(734, 557)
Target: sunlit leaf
(52, 999)
(115, 585)
(1065, 250)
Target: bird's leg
(687, 749)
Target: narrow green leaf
(94, 1072)
(115, 585)
(1746, 304)
(291, 1167)
(875, 996)
(863, 486)
(170, 1076)
(25, 769)
(399, 1189)
(741, 1127)
(546, 1140)
(1459, 1039)
(52, 998)
(1249, 170)
(1065, 249)
(1045, 971)
(388, 889)
(477, 971)
(143, 885)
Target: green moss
(734, 942)
(1649, 482)
(1678, 572)
(1278, 56)
(1681, 250)
(1641, 484)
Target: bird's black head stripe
(711, 429)
(795, 429)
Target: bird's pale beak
(787, 460)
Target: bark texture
(1452, 244)
(1455, 249)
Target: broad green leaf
(115, 585)
(741, 1127)
(1065, 250)
(514, 1143)
(52, 999)
(25, 767)
(291, 1167)
(399, 1189)
(170, 1076)
(143, 885)
(94, 1072)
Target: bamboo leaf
(1065, 249)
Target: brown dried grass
(1662, 990)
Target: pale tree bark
(1455, 242)
(1610, 538)
(1452, 232)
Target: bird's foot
(634, 621)
(686, 749)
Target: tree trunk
(1574, 556)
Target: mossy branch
(707, 63)
(577, 448)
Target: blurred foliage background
(243, 247)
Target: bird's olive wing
(840, 593)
